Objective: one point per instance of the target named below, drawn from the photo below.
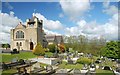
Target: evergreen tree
(39, 50)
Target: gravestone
(76, 71)
(62, 71)
(36, 66)
(69, 60)
(49, 68)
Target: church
(26, 37)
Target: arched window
(19, 34)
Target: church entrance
(31, 45)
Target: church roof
(20, 25)
(53, 38)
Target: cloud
(61, 15)
(109, 30)
(75, 9)
(106, 4)
(109, 9)
(7, 5)
(49, 24)
(48, 32)
(7, 22)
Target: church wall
(31, 36)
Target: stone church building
(26, 37)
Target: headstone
(49, 68)
(70, 61)
(36, 66)
(76, 71)
(62, 71)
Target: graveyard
(62, 37)
(66, 65)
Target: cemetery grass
(9, 72)
(70, 66)
(49, 54)
(104, 72)
(21, 55)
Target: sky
(70, 18)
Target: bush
(39, 50)
(84, 60)
(51, 48)
(21, 61)
(14, 51)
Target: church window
(20, 43)
(17, 44)
(19, 34)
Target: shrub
(14, 51)
(51, 48)
(39, 50)
(84, 60)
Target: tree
(5, 46)
(39, 50)
(62, 47)
(111, 50)
(51, 48)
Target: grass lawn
(23, 55)
(9, 72)
(104, 72)
(49, 54)
(70, 66)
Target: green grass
(49, 54)
(9, 72)
(70, 66)
(22, 55)
(104, 72)
(42, 64)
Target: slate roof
(54, 38)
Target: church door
(31, 45)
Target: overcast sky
(92, 19)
